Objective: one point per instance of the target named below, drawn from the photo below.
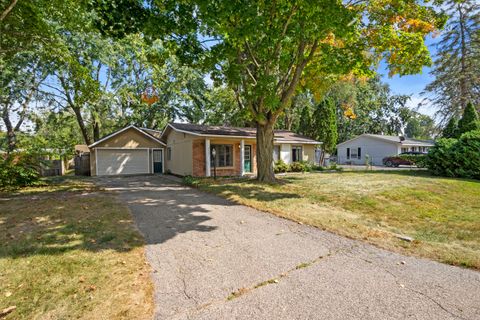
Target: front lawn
(69, 250)
(442, 215)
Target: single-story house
(377, 147)
(187, 149)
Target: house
(187, 149)
(377, 147)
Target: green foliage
(456, 158)
(306, 125)
(191, 181)
(325, 125)
(19, 170)
(299, 167)
(469, 120)
(451, 129)
(281, 167)
(456, 69)
(416, 159)
(420, 126)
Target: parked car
(395, 161)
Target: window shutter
(348, 153)
(359, 153)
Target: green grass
(69, 250)
(441, 214)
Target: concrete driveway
(213, 259)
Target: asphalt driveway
(213, 259)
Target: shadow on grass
(252, 190)
(52, 223)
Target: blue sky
(413, 84)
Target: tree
(469, 121)
(263, 50)
(325, 126)
(19, 83)
(420, 126)
(451, 129)
(305, 123)
(457, 64)
(367, 106)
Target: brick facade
(198, 153)
(198, 146)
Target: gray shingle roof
(407, 141)
(281, 136)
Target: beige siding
(130, 139)
(308, 153)
(181, 162)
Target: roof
(280, 136)
(395, 139)
(147, 132)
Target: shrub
(416, 159)
(280, 167)
(456, 158)
(190, 181)
(19, 170)
(335, 167)
(298, 167)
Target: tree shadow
(54, 223)
(253, 190)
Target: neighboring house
(186, 149)
(377, 147)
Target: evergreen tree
(450, 130)
(305, 123)
(457, 65)
(469, 120)
(325, 126)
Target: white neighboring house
(377, 147)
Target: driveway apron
(213, 259)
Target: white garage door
(121, 161)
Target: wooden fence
(82, 164)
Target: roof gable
(139, 131)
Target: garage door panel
(118, 161)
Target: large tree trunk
(265, 152)
(81, 124)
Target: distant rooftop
(396, 139)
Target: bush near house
(302, 166)
(416, 159)
(19, 170)
(456, 158)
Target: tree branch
(8, 9)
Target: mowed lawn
(70, 251)
(442, 215)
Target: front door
(247, 157)
(157, 161)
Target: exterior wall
(308, 152)
(198, 151)
(182, 159)
(375, 148)
(128, 139)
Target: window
(224, 155)
(353, 153)
(169, 153)
(276, 153)
(404, 150)
(296, 154)
(348, 153)
(359, 153)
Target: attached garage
(128, 151)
